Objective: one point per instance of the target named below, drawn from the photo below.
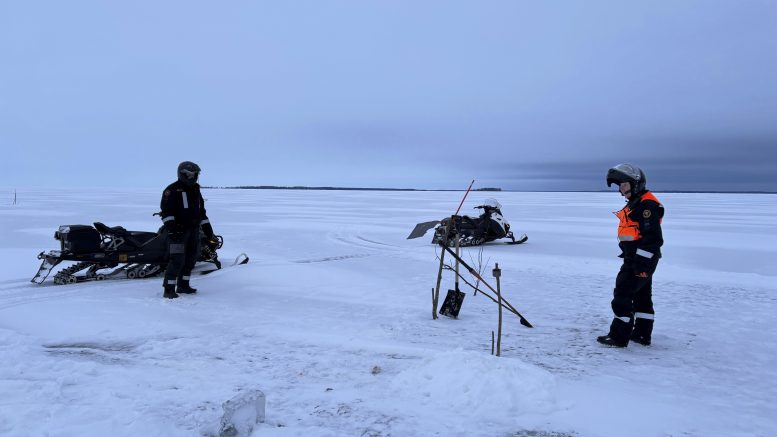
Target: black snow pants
(183, 255)
(632, 305)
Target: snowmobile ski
(521, 240)
(239, 260)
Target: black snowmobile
(103, 252)
(474, 231)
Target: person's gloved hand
(214, 242)
(642, 266)
(207, 229)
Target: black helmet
(188, 172)
(627, 173)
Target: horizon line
(486, 189)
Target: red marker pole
(465, 196)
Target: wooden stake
(458, 241)
(434, 306)
(474, 273)
(497, 273)
(436, 291)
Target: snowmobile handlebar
(215, 242)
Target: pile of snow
(484, 386)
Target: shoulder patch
(167, 193)
(646, 213)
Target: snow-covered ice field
(331, 319)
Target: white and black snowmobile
(474, 231)
(103, 252)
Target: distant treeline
(300, 187)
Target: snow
(331, 320)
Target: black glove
(207, 229)
(643, 267)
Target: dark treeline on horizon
(302, 187)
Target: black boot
(620, 330)
(643, 328)
(609, 341)
(185, 288)
(170, 292)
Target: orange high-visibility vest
(628, 229)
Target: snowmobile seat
(137, 239)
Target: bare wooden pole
(505, 304)
(434, 306)
(497, 273)
(474, 273)
(448, 229)
(458, 243)
(436, 291)
(465, 196)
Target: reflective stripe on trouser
(643, 311)
(183, 256)
(632, 293)
(620, 329)
(183, 281)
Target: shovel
(453, 300)
(452, 303)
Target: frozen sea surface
(331, 319)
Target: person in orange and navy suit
(640, 240)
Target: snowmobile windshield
(492, 203)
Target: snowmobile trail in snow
(30, 293)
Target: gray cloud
(518, 94)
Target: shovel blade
(452, 303)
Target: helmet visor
(623, 173)
(190, 175)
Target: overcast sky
(517, 94)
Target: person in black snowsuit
(640, 240)
(183, 214)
